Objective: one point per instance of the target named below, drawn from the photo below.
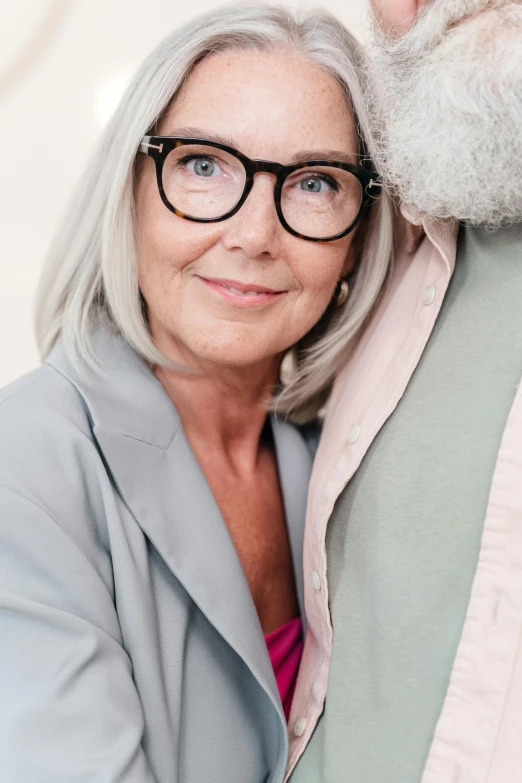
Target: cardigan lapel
(157, 474)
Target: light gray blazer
(130, 647)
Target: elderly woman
(152, 507)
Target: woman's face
(274, 107)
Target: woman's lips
(243, 294)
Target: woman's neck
(223, 409)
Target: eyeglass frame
(159, 147)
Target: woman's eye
(202, 167)
(317, 184)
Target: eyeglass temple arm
(145, 145)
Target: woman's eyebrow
(198, 133)
(338, 155)
(302, 155)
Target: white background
(63, 66)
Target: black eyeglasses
(204, 181)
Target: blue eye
(317, 184)
(200, 165)
(203, 167)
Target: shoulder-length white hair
(91, 271)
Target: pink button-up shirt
(479, 734)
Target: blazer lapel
(170, 499)
(294, 461)
(157, 474)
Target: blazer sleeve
(69, 709)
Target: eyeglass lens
(207, 182)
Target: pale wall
(53, 105)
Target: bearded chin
(447, 116)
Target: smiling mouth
(242, 293)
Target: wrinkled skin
(397, 15)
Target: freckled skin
(396, 15)
(272, 106)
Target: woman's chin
(236, 355)
(224, 344)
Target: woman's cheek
(320, 274)
(309, 308)
(178, 243)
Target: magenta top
(285, 647)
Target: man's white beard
(448, 111)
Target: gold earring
(342, 296)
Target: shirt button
(299, 727)
(429, 295)
(353, 433)
(316, 582)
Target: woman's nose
(255, 229)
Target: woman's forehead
(264, 100)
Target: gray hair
(90, 275)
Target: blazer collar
(123, 395)
(156, 472)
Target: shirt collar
(441, 233)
